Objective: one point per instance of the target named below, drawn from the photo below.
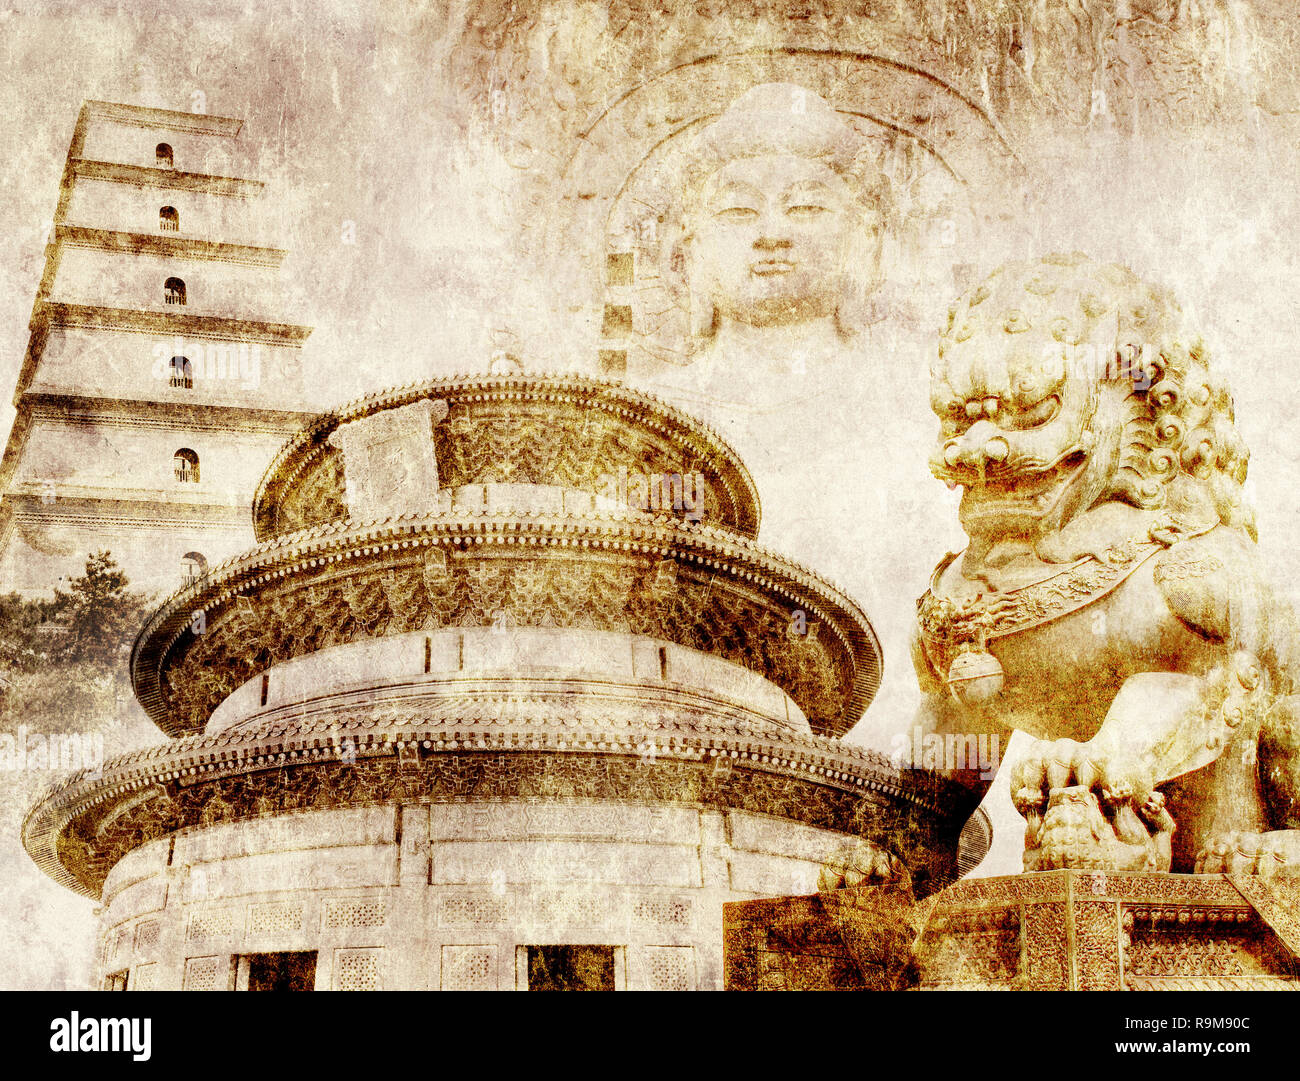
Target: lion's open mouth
(1022, 493)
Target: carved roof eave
(154, 176)
(718, 550)
(167, 245)
(284, 749)
(641, 410)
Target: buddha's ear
(699, 294)
(862, 276)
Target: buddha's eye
(736, 214)
(806, 211)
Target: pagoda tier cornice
(135, 507)
(169, 321)
(152, 176)
(703, 587)
(155, 413)
(167, 244)
(146, 116)
(45, 527)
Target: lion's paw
(865, 863)
(1087, 810)
(1241, 852)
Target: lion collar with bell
(955, 634)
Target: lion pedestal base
(1055, 930)
(844, 940)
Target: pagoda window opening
(193, 567)
(164, 157)
(187, 466)
(169, 219)
(182, 373)
(174, 291)
(116, 981)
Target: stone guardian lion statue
(1110, 601)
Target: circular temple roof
(324, 575)
(486, 750)
(478, 502)
(561, 431)
(694, 585)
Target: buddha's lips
(770, 267)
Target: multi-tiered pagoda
(160, 374)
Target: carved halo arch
(618, 183)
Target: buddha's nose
(770, 240)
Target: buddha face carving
(770, 240)
(778, 227)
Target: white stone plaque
(389, 464)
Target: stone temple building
(506, 695)
(160, 374)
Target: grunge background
(412, 150)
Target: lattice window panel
(357, 970)
(146, 935)
(214, 924)
(663, 910)
(275, 916)
(205, 973)
(358, 912)
(120, 942)
(570, 909)
(145, 977)
(670, 968)
(472, 911)
(469, 968)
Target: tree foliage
(63, 659)
(98, 617)
(63, 669)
